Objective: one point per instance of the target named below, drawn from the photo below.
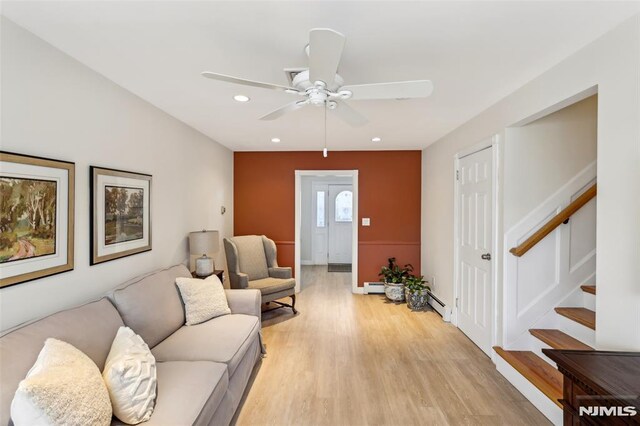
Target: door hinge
(457, 174)
(456, 302)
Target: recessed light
(241, 98)
(376, 139)
(275, 140)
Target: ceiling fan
(320, 84)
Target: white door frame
(354, 229)
(495, 145)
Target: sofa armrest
(280, 272)
(246, 302)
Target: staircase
(542, 383)
(550, 301)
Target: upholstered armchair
(251, 261)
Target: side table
(218, 272)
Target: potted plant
(416, 292)
(393, 276)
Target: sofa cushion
(91, 328)
(251, 257)
(272, 285)
(223, 339)
(150, 305)
(188, 393)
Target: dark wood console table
(605, 384)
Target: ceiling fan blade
(349, 115)
(293, 106)
(396, 90)
(242, 81)
(325, 50)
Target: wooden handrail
(555, 221)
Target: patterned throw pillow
(130, 376)
(203, 299)
(64, 387)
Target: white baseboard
(440, 307)
(307, 262)
(539, 400)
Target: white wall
(612, 63)
(55, 107)
(541, 157)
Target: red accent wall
(389, 194)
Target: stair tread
(589, 289)
(559, 340)
(582, 316)
(540, 373)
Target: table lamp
(204, 242)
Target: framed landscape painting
(120, 214)
(36, 217)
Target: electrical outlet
(366, 221)
(433, 282)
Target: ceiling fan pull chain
(324, 151)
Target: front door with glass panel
(340, 214)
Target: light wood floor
(357, 360)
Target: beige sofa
(202, 370)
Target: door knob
(486, 256)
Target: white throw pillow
(64, 387)
(203, 299)
(130, 376)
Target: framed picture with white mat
(120, 214)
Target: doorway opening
(326, 233)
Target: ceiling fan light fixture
(241, 98)
(275, 140)
(376, 139)
(319, 84)
(325, 153)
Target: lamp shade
(204, 242)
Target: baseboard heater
(436, 304)
(440, 307)
(374, 288)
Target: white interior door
(340, 214)
(475, 236)
(319, 227)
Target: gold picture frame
(37, 211)
(120, 214)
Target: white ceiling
(474, 52)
